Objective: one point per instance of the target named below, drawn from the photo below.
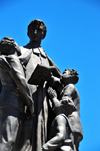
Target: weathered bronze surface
(39, 106)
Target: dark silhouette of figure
(15, 73)
(66, 130)
(15, 94)
(35, 131)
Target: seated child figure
(66, 130)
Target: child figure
(66, 129)
(15, 94)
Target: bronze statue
(15, 94)
(20, 67)
(32, 55)
(66, 130)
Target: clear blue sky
(72, 41)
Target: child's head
(68, 106)
(69, 76)
(7, 44)
(64, 106)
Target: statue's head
(7, 44)
(65, 106)
(69, 76)
(36, 30)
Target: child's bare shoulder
(70, 87)
(60, 118)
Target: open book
(36, 77)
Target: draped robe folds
(11, 113)
(35, 131)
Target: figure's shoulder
(60, 119)
(26, 52)
(69, 87)
(24, 49)
(11, 56)
(69, 90)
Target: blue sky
(72, 41)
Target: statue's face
(66, 77)
(66, 73)
(36, 33)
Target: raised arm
(53, 96)
(4, 64)
(17, 74)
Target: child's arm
(55, 83)
(53, 96)
(17, 74)
(60, 136)
(4, 64)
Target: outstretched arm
(59, 137)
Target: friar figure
(35, 131)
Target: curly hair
(8, 41)
(38, 22)
(73, 74)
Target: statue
(15, 94)
(33, 133)
(32, 55)
(66, 130)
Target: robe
(35, 131)
(11, 113)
